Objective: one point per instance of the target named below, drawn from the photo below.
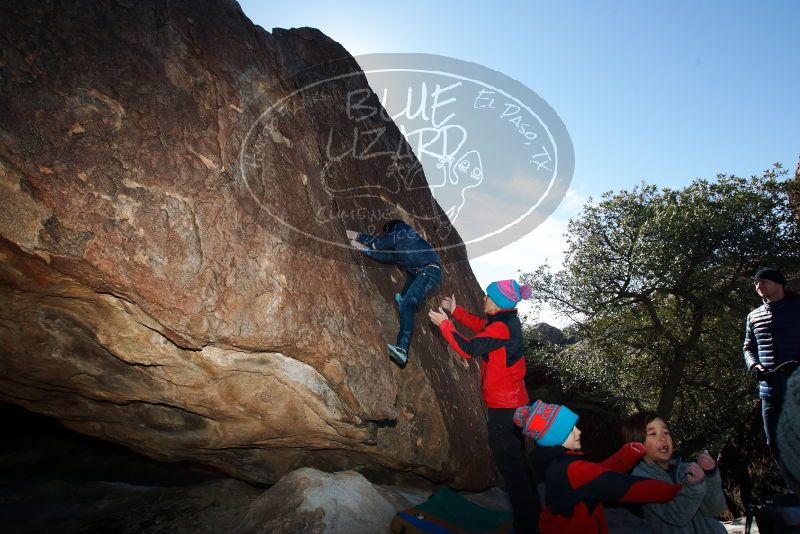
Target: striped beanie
(548, 424)
(506, 293)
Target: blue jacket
(772, 337)
(403, 246)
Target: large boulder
(175, 184)
(311, 501)
(544, 333)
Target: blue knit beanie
(506, 293)
(548, 424)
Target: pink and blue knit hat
(548, 424)
(506, 293)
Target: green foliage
(658, 282)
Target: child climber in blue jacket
(401, 245)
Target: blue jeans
(415, 291)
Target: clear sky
(662, 92)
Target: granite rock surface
(175, 185)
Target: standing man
(772, 349)
(498, 346)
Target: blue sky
(662, 92)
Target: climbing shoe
(398, 355)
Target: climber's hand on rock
(449, 303)
(351, 234)
(437, 317)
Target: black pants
(508, 451)
(770, 413)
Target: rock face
(175, 184)
(544, 333)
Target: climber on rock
(401, 245)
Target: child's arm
(680, 511)
(381, 256)
(603, 484)
(644, 490)
(625, 458)
(714, 500)
(470, 348)
(378, 242)
(473, 322)
(713, 503)
(378, 255)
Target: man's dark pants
(770, 412)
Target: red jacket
(575, 489)
(498, 346)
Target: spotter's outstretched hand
(437, 317)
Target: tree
(658, 282)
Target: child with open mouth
(701, 499)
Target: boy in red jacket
(574, 488)
(498, 346)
